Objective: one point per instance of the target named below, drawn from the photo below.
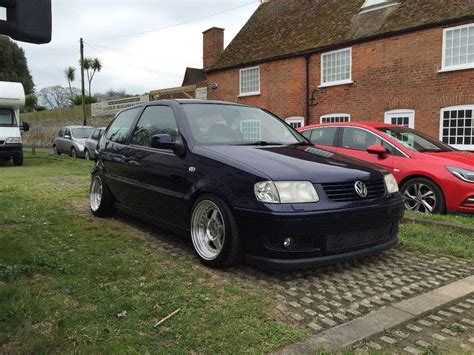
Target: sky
(120, 33)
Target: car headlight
(391, 184)
(13, 140)
(286, 192)
(463, 174)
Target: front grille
(340, 242)
(345, 191)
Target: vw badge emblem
(361, 189)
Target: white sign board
(201, 93)
(112, 107)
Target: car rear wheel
(87, 156)
(423, 195)
(56, 150)
(102, 203)
(73, 153)
(214, 233)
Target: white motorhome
(12, 97)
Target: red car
(433, 177)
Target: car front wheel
(423, 195)
(214, 233)
(73, 153)
(102, 203)
(87, 156)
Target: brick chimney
(213, 45)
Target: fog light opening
(469, 201)
(288, 243)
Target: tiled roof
(281, 28)
(194, 76)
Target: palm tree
(92, 66)
(70, 76)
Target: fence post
(33, 148)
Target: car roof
(351, 124)
(72, 127)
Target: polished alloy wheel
(96, 193)
(420, 198)
(208, 230)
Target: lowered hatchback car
(433, 177)
(244, 185)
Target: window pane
(457, 126)
(120, 127)
(337, 66)
(250, 80)
(324, 136)
(155, 120)
(458, 45)
(358, 139)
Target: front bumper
(459, 196)
(10, 150)
(318, 238)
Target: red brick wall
(282, 87)
(394, 73)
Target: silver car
(91, 143)
(71, 140)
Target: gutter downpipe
(307, 58)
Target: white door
(401, 118)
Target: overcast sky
(138, 63)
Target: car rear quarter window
(155, 120)
(324, 136)
(121, 126)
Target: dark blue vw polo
(244, 185)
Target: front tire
(101, 201)
(214, 233)
(423, 195)
(73, 153)
(87, 155)
(18, 160)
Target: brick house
(310, 61)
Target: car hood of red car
(465, 158)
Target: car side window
(67, 132)
(324, 136)
(359, 139)
(307, 134)
(61, 133)
(155, 120)
(120, 127)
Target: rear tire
(18, 160)
(214, 233)
(101, 201)
(423, 195)
(56, 150)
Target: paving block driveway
(322, 298)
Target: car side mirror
(27, 20)
(379, 150)
(164, 141)
(67, 136)
(25, 127)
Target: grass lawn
(75, 283)
(461, 219)
(70, 282)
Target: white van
(12, 97)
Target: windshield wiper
(262, 143)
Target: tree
(70, 74)
(55, 97)
(13, 64)
(111, 94)
(88, 100)
(92, 66)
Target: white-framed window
(457, 126)
(458, 48)
(335, 118)
(295, 122)
(251, 130)
(250, 81)
(401, 118)
(336, 67)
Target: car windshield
(81, 132)
(215, 124)
(7, 117)
(416, 141)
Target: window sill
(250, 94)
(457, 68)
(336, 83)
